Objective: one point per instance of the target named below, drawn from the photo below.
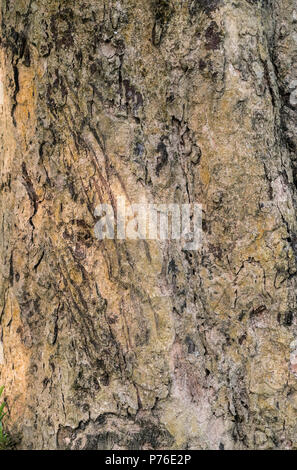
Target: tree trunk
(139, 344)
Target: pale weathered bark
(113, 344)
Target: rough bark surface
(133, 344)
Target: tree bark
(140, 344)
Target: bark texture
(133, 344)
